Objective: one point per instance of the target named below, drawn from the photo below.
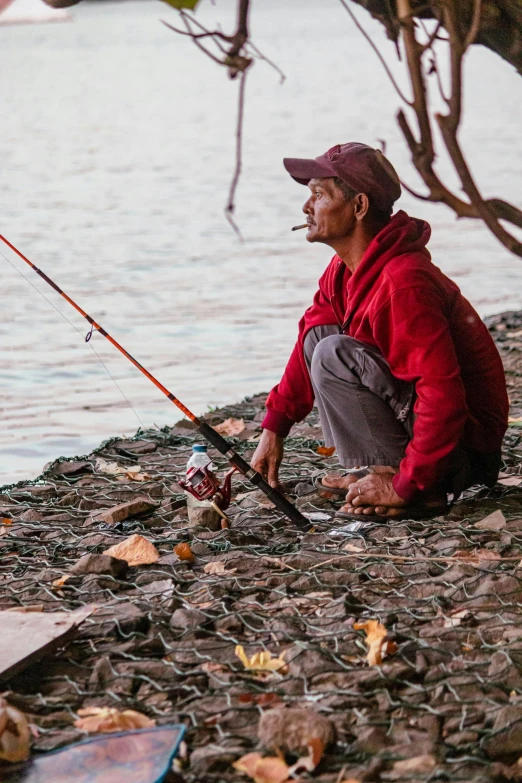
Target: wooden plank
(25, 637)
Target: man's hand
(268, 457)
(374, 494)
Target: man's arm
(293, 397)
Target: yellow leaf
(15, 736)
(230, 427)
(136, 550)
(262, 661)
(378, 646)
(61, 581)
(109, 719)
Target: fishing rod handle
(277, 498)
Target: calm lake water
(117, 146)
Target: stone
(506, 739)
(72, 468)
(111, 516)
(101, 564)
(188, 619)
(372, 740)
(293, 729)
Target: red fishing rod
(207, 488)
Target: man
(408, 382)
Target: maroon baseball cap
(362, 168)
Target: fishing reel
(202, 484)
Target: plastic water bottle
(201, 512)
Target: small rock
(293, 729)
(121, 512)
(506, 739)
(371, 739)
(188, 619)
(101, 564)
(72, 468)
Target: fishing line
(80, 333)
(208, 432)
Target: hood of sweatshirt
(403, 235)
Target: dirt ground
(447, 697)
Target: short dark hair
(379, 215)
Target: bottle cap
(200, 447)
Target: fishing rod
(208, 432)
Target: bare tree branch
(377, 52)
(230, 207)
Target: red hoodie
(402, 304)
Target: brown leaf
(15, 737)
(476, 555)
(135, 475)
(6, 521)
(230, 427)
(217, 567)
(136, 550)
(310, 762)
(326, 451)
(419, 764)
(262, 699)
(184, 552)
(270, 769)
(109, 719)
(376, 634)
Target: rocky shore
(444, 704)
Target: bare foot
(338, 480)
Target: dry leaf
(262, 699)
(270, 769)
(326, 451)
(6, 521)
(61, 581)
(184, 552)
(456, 618)
(110, 468)
(262, 661)
(352, 548)
(476, 556)
(135, 475)
(230, 427)
(419, 764)
(136, 550)
(211, 668)
(494, 521)
(108, 719)
(510, 481)
(310, 762)
(15, 736)
(378, 646)
(218, 567)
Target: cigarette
(296, 228)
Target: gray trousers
(365, 412)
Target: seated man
(406, 377)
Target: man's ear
(361, 205)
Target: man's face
(329, 215)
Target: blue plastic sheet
(143, 756)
